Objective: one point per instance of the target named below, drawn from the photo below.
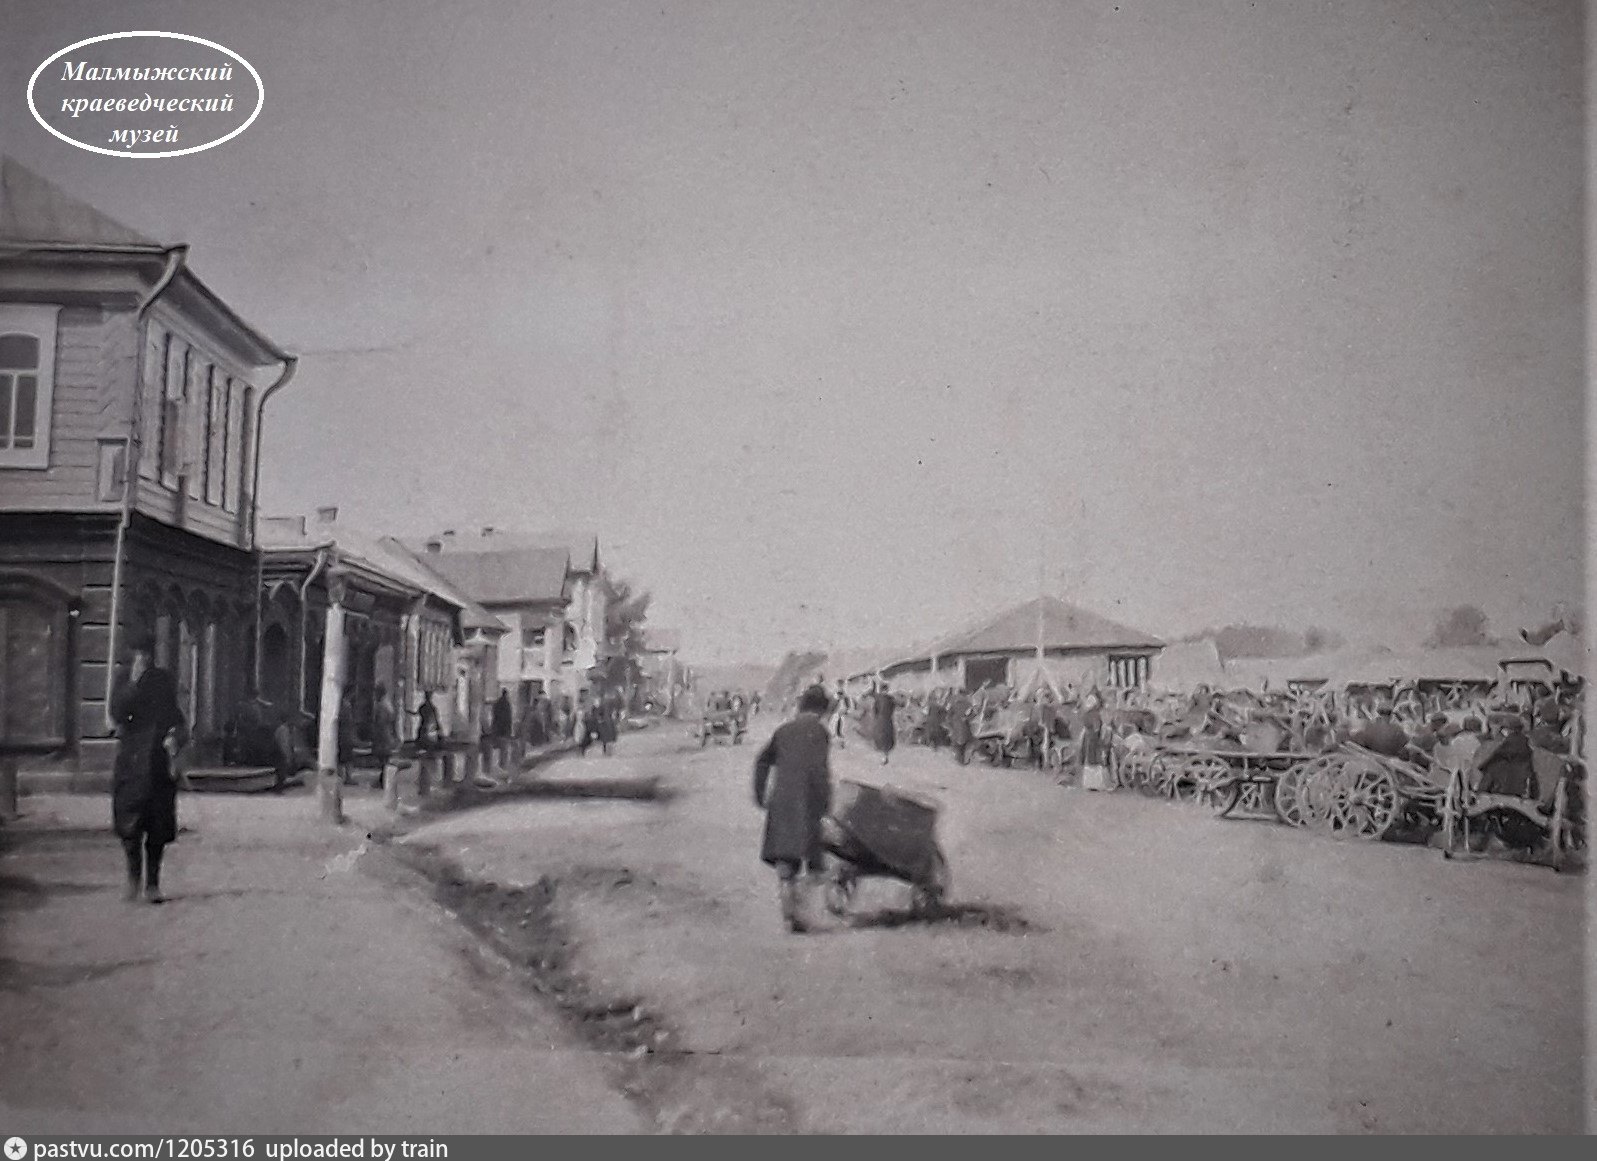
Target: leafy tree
(1459, 626)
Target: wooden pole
(331, 793)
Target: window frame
(41, 322)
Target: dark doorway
(981, 670)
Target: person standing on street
(429, 732)
(959, 711)
(385, 734)
(504, 727)
(606, 726)
(839, 716)
(150, 731)
(795, 801)
(883, 707)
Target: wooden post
(391, 787)
(330, 792)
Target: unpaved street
(281, 989)
(581, 956)
(1113, 963)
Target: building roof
(38, 217)
(472, 615)
(581, 547)
(504, 577)
(1064, 626)
(33, 209)
(381, 557)
(1473, 664)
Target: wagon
(1554, 826)
(1007, 738)
(722, 725)
(883, 832)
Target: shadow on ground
(19, 976)
(990, 917)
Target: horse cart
(724, 725)
(883, 832)
(1553, 824)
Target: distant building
(405, 626)
(131, 399)
(548, 590)
(1078, 648)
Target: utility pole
(330, 790)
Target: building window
(149, 449)
(532, 638)
(27, 384)
(1128, 672)
(215, 435)
(229, 449)
(246, 417)
(193, 463)
(173, 362)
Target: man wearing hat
(1383, 735)
(150, 731)
(796, 800)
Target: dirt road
(1121, 964)
(282, 989)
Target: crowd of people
(1075, 730)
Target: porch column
(330, 791)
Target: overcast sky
(837, 320)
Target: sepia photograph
(790, 567)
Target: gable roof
(504, 577)
(581, 547)
(34, 209)
(1064, 626)
(380, 556)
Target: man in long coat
(796, 801)
(883, 733)
(143, 787)
(959, 733)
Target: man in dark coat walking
(150, 730)
(797, 800)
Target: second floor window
(27, 372)
(532, 638)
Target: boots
(152, 875)
(134, 853)
(792, 895)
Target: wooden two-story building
(130, 416)
(549, 591)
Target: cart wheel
(1316, 796)
(1287, 807)
(1208, 778)
(1369, 802)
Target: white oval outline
(260, 88)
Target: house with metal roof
(1043, 638)
(550, 602)
(400, 624)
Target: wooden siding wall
(96, 357)
(218, 420)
